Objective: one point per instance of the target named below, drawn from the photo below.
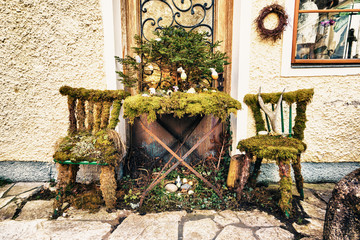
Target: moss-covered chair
(91, 140)
(285, 149)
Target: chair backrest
(300, 97)
(89, 110)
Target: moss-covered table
(180, 104)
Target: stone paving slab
(257, 218)
(20, 230)
(74, 230)
(313, 229)
(150, 226)
(274, 233)
(101, 215)
(236, 233)
(5, 188)
(313, 210)
(37, 209)
(24, 187)
(226, 217)
(6, 200)
(54, 230)
(200, 230)
(8, 211)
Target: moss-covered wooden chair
(91, 140)
(285, 149)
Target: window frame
(296, 62)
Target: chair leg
(255, 173)
(66, 175)
(108, 186)
(73, 169)
(285, 187)
(298, 177)
(62, 181)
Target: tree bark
(243, 174)
(342, 219)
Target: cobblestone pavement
(23, 219)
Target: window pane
(328, 36)
(327, 4)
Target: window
(326, 32)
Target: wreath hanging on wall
(275, 33)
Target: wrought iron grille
(187, 14)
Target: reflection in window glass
(326, 4)
(332, 35)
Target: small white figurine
(178, 181)
(152, 91)
(214, 74)
(180, 70)
(183, 75)
(191, 90)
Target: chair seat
(87, 148)
(272, 147)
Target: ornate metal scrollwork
(177, 13)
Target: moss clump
(93, 95)
(218, 104)
(90, 201)
(285, 188)
(273, 147)
(84, 146)
(301, 97)
(115, 114)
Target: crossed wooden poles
(180, 160)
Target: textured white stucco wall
(44, 44)
(333, 128)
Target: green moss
(115, 114)
(97, 116)
(273, 147)
(90, 115)
(84, 146)
(300, 97)
(218, 104)
(286, 195)
(285, 188)
(88, 201)
(105, 114)
(94, 95)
